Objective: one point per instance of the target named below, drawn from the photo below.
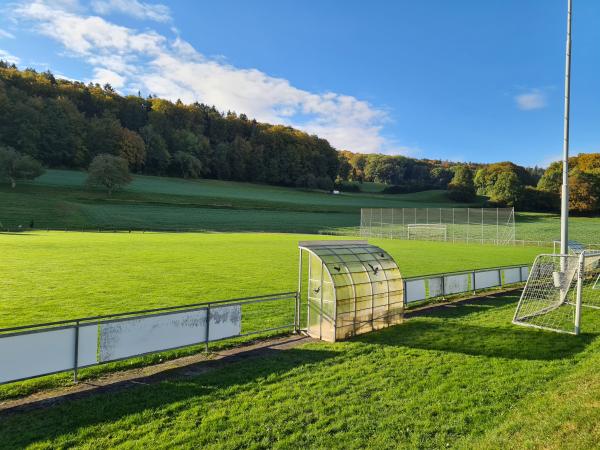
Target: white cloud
(6, 56)
(132, 60)
(6, 34)
(103, 76)
(533, 99)
(135, 8)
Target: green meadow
(461, 377)
(60, 200)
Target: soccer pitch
(51, 276)
(458, 377)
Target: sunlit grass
(460, 377)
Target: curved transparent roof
(357, 268)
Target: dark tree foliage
(462, 188)
(109, 172)
(67, 124)
(15, 166)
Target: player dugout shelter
(352, 287)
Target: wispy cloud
(530, 100)
(6, 56)
(134, 8)
(133, 60)
(6, 34)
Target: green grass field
(63, 275)
(85, 274)
(461, 377)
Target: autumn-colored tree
(589, 163)
(584, 192)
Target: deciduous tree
(15, 166)
(109, 172)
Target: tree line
(66, 124)
(59, 123)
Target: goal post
(426, 232)
(557, 289)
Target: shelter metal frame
(360, 288)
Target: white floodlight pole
(564, 210)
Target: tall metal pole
(564, 211)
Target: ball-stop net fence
(477, 225)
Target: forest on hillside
(66, 124)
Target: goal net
(557, 288)
(427, 232)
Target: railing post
(579, 300)
(76, 352)
(443, 287)
(474, 286)
(207, 335)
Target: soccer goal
(558, 288)
(427, 232)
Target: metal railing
(421, 288)
(30, 351)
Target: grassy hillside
(59, 199)
(462, 377)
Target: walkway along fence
(32, 351)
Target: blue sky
(464, 80)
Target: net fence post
(497, 226)
(468, 223)
(482, 225)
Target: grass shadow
(21, 428)
(464, 308)
(511, 342)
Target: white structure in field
(477, 225)
(559, 286)
(427, 232)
